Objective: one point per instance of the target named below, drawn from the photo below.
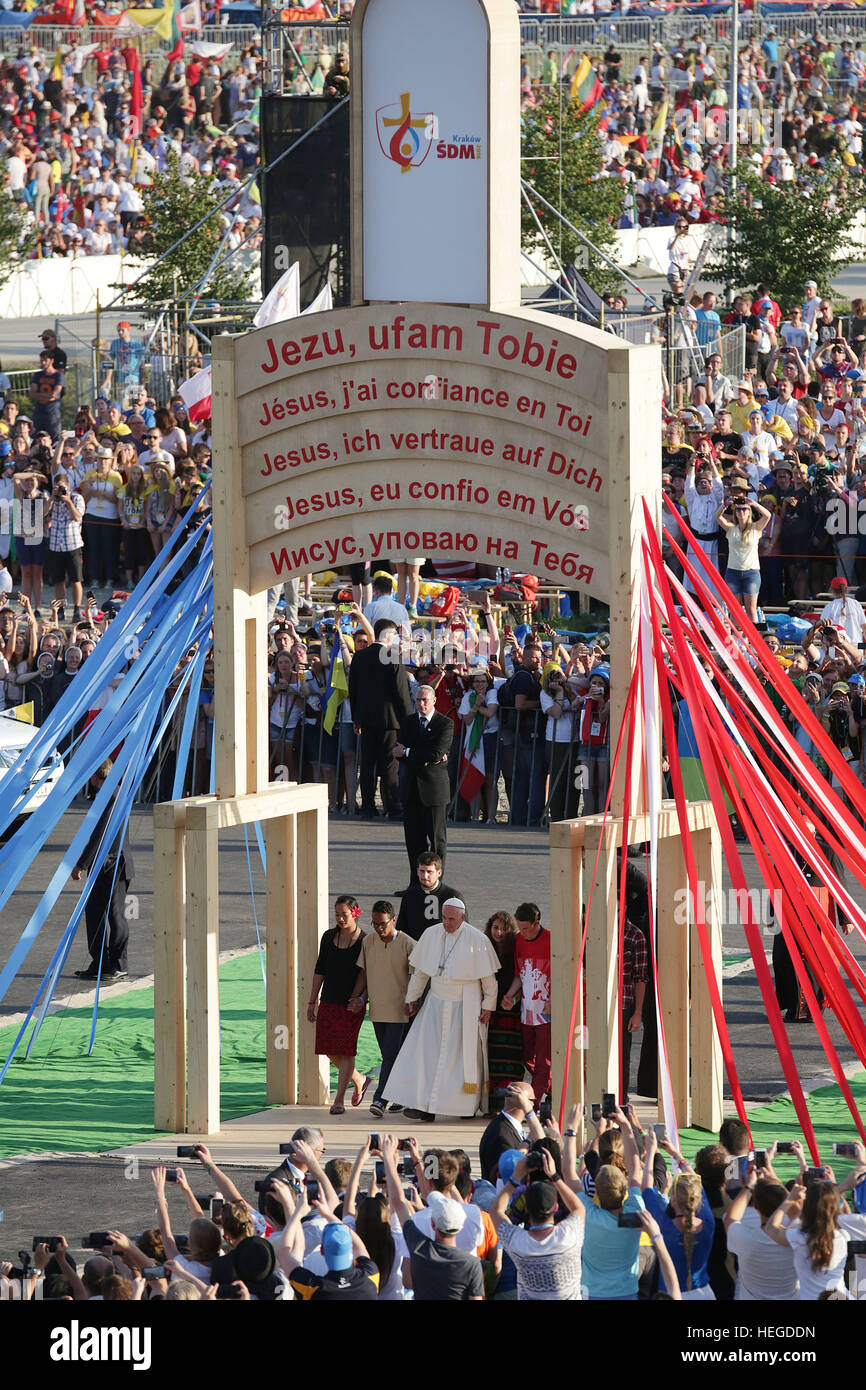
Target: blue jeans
(390, 1037)
(527, 787)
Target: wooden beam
(707, 1067)
(672, 935)
(566, 921)
(169, 968)
(312, 922)
(202, 933)
(277, 799)
(602, 1004)
(281, 1032)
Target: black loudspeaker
(305, 198)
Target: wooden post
(282, 982)
(312, 919)
(672, 937)
(566, 926)
(202, 931)
(169, 968)
(707, 1070)
(633, 397)
(240, 621)
(602, 1012)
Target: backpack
(444, 604)
(505, 699)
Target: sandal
(359, 1095)
(337, 1109)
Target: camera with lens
(672, 301)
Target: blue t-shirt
(610, 1252)
(770, 47)
(673, 1237)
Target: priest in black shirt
(421, 904)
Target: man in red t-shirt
(532, 979)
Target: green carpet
(62, 1101)
(831, 1120)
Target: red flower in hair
(355, 911)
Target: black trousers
(424, 829)
(390, 1037)
(104, 908)
(377, 760)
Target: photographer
(546, 1255)
(765, 1269)
(64, 515)
(743, 521)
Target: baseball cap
(507, 1163)
(839, 582)
(104, 452)
(810, 285)
(840, 686)
(448, 1216)
(337, 1246)
(540, 1199)
(762, 389)
(123, 323)
(5, 448)
(858, 680)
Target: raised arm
(396, 1198)
(158, 1176)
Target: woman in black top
(336, 974)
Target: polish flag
(196, 395)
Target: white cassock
(442, 1066)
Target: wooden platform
(253, 1140)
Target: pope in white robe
(442, 1066)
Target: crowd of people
(540, 1218)
(78, 146)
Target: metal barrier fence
(530, 780)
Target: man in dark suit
(423, 743)
(104, 909)
(380, 701)
(505, 1130)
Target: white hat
(447, 1215)
(455, 902)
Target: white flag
(323, 302)
(284, 300)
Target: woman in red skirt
(336, 974)
(504, 1034)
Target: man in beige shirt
(383, 977)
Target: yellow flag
(57, 70)
(581, 73)
(657, 135)
(133, 159)
(24, 713)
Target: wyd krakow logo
(400, 133)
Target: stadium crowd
(538, 1218)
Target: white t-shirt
(814, 1281)
(847, 613)
(491, 725)
(558, 730)
(548, 1270)
(827, 428)
(766, 1270)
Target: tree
(787, 233)
(17, 236)
(562, 158)
(173, 204)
